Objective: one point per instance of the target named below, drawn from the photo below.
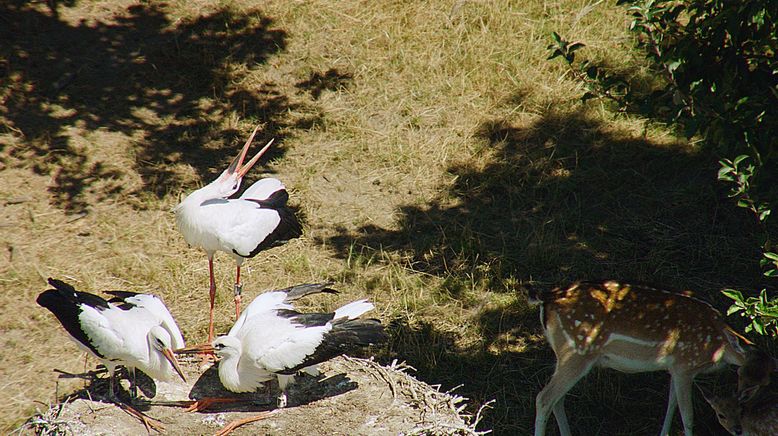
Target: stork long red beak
(196, 349)
(236, 166)
(168, 353)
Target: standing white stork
(134, 330)
(241, 227)
(272, 339)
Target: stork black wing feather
(296, 292)
(120, 299)
(306, 319)
(288, 228)
(69, 293)
(346, 334)
(276, 200)
(66, 304)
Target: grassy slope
(438, 160)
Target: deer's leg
(682, 384)
(569, 369)
(561, 417)
(672, 403)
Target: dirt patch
(350, 396)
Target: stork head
(223, 347)
(226, 347)
(228, 182)
(160, 340)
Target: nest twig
(442, 412)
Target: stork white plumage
(272, 339)
(242, 227)
(134, 330)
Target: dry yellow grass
(437, 158)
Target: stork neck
(195, 198)
(155, 364)
(230, 376)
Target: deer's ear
(707, 395)
(747, 393)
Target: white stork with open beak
(134, 330)
(272, 339)
(240, 227)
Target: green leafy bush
(761, 311)
(719, 69)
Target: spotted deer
(755, 417)
(754, 374)
(630, 328)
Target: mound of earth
(350, 396)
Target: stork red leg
(238, 291)
(213, 297)
(208, 402)
(147, 421)
(229, 428)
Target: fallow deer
(754, 374)
(755, 417)
(630, 328)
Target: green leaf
(673, 65)
(726, 170)
(733, 294)
(575, 46)
(733, 309)
(555, 36)
(554, 54)
(759, 327)
(770, 255)
(739, 159)
(770, 313)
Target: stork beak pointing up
(172, 359)
(236, 164)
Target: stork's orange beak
(236, 166)
(168, 353)
(196, 349)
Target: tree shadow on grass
(330, 80)
(563, 197)
(567, 197)
(166, 83)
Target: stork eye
(235, 186)
(218, 346)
